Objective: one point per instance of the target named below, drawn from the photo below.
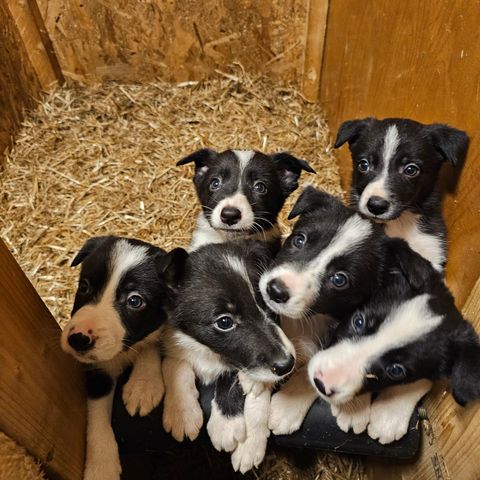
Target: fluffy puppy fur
(241, 193)
(123, 298)
(407, 335)
(221, 332)
(396, 162)
(331, 263)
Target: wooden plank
(419, 60)
(312, 66)
(42, 394)
(38, 46)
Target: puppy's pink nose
(81, 341)
(319, 381)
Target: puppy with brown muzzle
(125, 294)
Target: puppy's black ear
(171, 266)
(350, 130)
(88, 247)
(289, 170)
(417, 270)
(312, 199)
(465, 379)
(201, 158)
(452, 144)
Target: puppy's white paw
(354, 415)
(252, 387)
(105, 466)
(183, 419)
(285, 415)
(225, 432)
(250, 453)
(387, 425)
(142, 395)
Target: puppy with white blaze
(396, 162)
(241, 193)
(124, 296)
(331, 263)
(409, 334)
(221, 329)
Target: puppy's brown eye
(135, 301)
(84, 287)
(260, 187)
(363, 165)
(411, 170)
(215, 184)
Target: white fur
(427, 245)
(244, 157)
(303, 281)
(343, 366)
(225, 432)
(102, 459)
(355, 414)
(379, 187)
(237, 200)
(391, 411)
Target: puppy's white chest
(427, 245)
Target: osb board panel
(18, 81)
(419, 60)
(42, 394)
(177, 40)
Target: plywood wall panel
(420, 60)
(130, 41)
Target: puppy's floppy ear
(465, 378)
(88, 247)
(312, 199)
(452, 144)
(350, 130)
(417, 270)
(289, 170)
(201, 158)
(171, 266)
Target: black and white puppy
(123, 299)
(409, 334)
(396, 162)
(330, 264)
(241, 193)
(221, 331)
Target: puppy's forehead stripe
(237, 265)
(390, 145)
(124, 257)
(244, 156)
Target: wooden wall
(178, 40)
(420, 60)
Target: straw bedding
(94, 161)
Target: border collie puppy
(330, 264)
(221, 332)
(409, 334)
(122, 301)
(241, 193)
(396, 162)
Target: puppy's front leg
(392, 409)
(291, 403)
(144, 389)
(354, 414)
(182, 414)
(102, 459)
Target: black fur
(99, 383)
(229, 395)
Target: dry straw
(95, 161)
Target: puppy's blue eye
(340, 280)
(411, 170)
(135, 301)
(215, 184)
(84, 286)
(359, 323)
(260, 187)
(363, 165)
(224, 323)
(396, 371)
(299, 240)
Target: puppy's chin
(385, 217)
(263, 375)
(293, 311)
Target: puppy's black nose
(320, 386)
(277, 291)
(230, 215)
(377, 205)
(284, 366)
(80, 342)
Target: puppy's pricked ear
(312, 199)
(88, 247)
(201, 158)
(465, 379)
(289, 170)
(417, 270)
(452, 144)
(171, 266)
(350, 130)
